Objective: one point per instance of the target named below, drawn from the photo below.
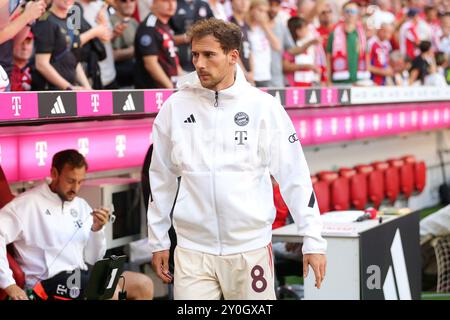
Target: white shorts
(243, 276)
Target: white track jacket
(225, 145)
(49, 235)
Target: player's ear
(54, 173)
(234, 56)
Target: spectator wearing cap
(347, 56)
(379, 50)
(123, 44)
(21, 73)
(412, 32)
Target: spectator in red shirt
(379, 50)
(20, 75)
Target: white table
(361, 260)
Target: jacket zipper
(216, 105)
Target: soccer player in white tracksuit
(225, 138)
(54, 232)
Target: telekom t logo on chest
(16, 102)
(41, 152)
(95, 102)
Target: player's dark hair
(228, 34)
(70, 157)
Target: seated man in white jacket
(224, 138)
(54, 233)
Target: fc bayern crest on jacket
(241, 119)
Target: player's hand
(101, 217)
(318, 263)
(160, 264)
(16, 293)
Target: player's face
(67, 183)
(214, 67)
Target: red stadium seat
(392, 184)
(406, 173)
(358, 187)
(347, 172)
(407, 179)
(328, 176)
(5, 197)
(376, 187)
(375, 183)
(340, 194)
(380, 165)
(397, 163)
(364, 169)
(322, 191)
(358, 191)
(409, 159)
(314, 179)
(391, 179)
(420, 175)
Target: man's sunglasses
(351, 11)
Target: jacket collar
(192, 82)
(52, 196)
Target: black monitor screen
(127, 206)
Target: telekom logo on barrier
(95, 103)
(105, 149)
(41, 152)
(83, 146)
(154, 100)
(18, 106)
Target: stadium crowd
(112, 44)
